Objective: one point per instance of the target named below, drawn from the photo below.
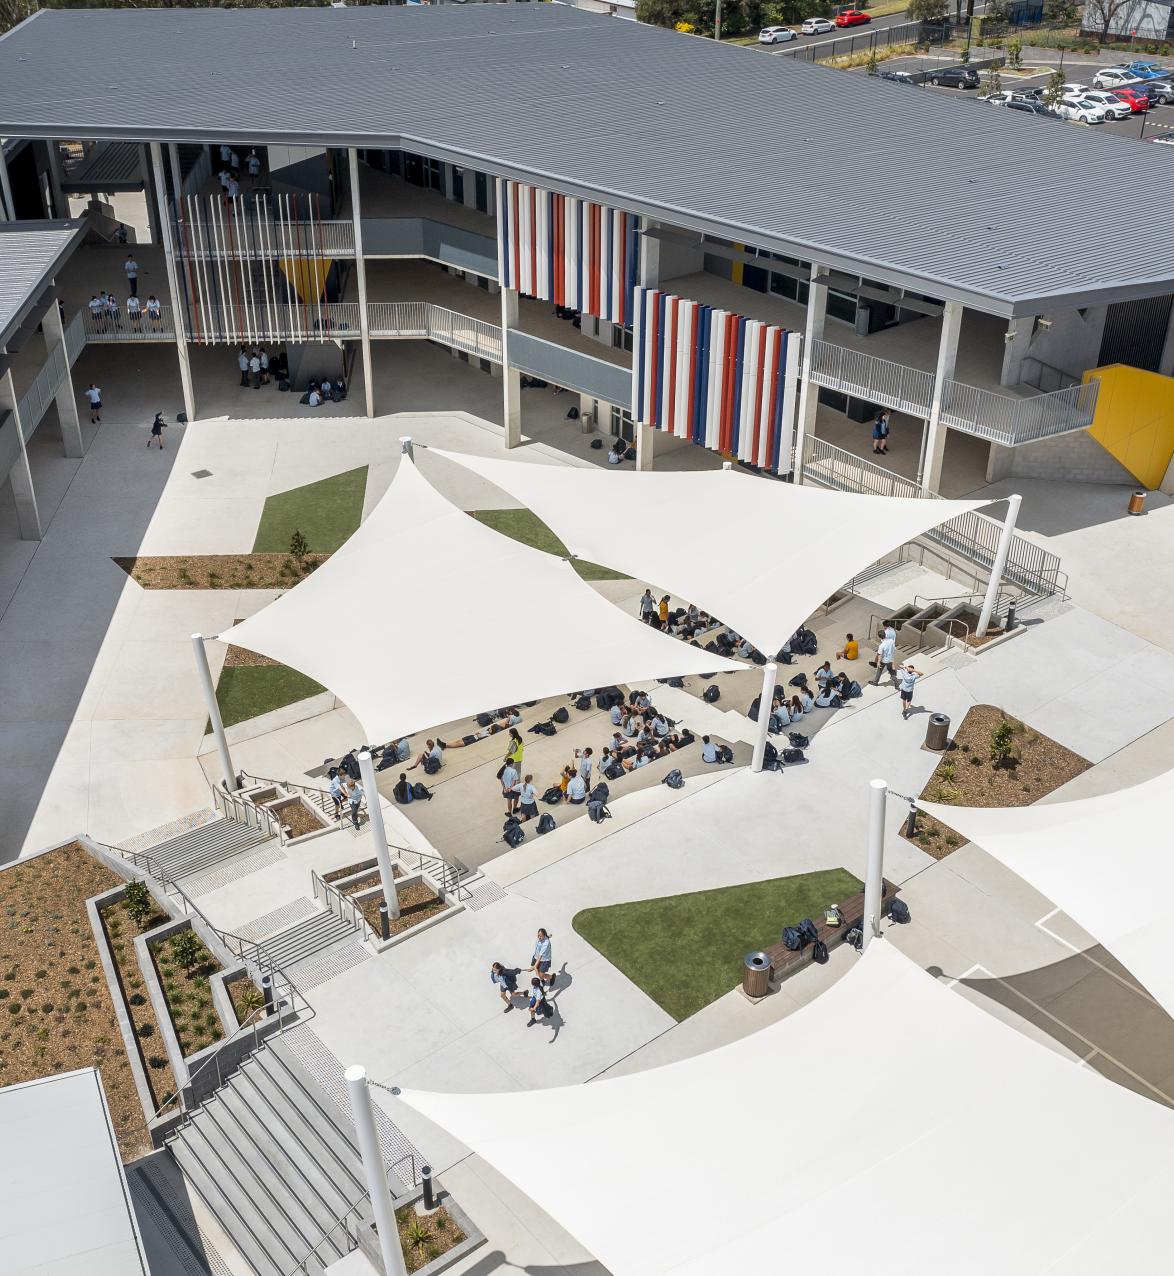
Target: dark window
(482, 193)
(458, 184)
(621, 337)
(1135, 333)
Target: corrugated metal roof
(111, 167)
(1001, 211)
(29, 256)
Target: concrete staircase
(274, 1161)
(305, 938)
(205, 847)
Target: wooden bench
(784, 961)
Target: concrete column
(7, 207)
(67, 415)
(176, 173)
(817, 309)
(177, 308)
(511, 378)
(769, 673)
(378, 833)
(157, 204)
(60, 199)
(878, 792)
(210, 703)
(361, 275)
(1016, 344)
(999, 565)
(645, 445)
(381, 1206)
(20, 476)
(470, 188)
(929, 474)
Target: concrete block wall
(1075, 457)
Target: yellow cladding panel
(1134, 421)
(308, 275)
(736, 266)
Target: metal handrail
(105, 328)
(248, 813)
(331, 893)
(354, 1211)
(422, 319)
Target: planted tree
(1003, 744)
(137, 900)
(299, 547)
(187, 949)
(1054, 90)
(992, 82)
(1015, 53)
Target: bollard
(1009, 623)
(426, 1183)
(267, 993)
(911, 820)
(384, 922)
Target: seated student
(616, 452)
(827, 698)
(616, 713)
(610, 767)
(432, 750)
(780, 716)
(708, 750)
(564, 780)
(632, 725)
(851, 649)
(401, 749)
(339, 390)
(642, 700)
(841, 684)
(806, 703)
(685, 738)
(313, 398)
(616, 744)
(576, 789)
(745, 649)
(660, 727)
(643, 758)
(325, 388)
(795, 708)
(824, 673)
(403, 791)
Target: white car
(776, 35)
(1081, 111)
(1116, 108)
(1113, 77)
(816, 26)
(1002, 98)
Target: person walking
(880, 432)
(662, 612)
(95, 397)
(132, 274)
(506, 983)
(647, 606)
(338, 791)
(157, 428)
(906, 681)
(262, 354)
(541, 958)
(536, 1001)
(527, 793)
(253, 164)
(242, 362)
(255, 369)
(885, 652)
(354, 790)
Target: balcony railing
(1001, 418)
(107, 328)
(257, 226)
(435, 323)
(317, 321)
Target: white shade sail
(425, 616)
(890, 1125)
(1107, 861)
(760, 555)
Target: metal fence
(867, 377)
(125, 326)
(1010, 421)
(874, 38)
(421, 319)
(269, 321)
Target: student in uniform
(154, 312)
(509, 787)
(253, 164)
(506, 983)
(708, 750)
(851, 650)
(132, 274)
(98, 312)
(242, 362)
(112, 311)
(255, 369)
(823, 674)
(432, 750)
(576, 789)
(95, 397)
(157, 428)
(403, 790)
(263, 356)
(906, 680)
(134, 310)
(527, 799)
(662, 611)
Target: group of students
(106, 315)
(254, 366)
(229, 175)
(347, 792)
(542, 978)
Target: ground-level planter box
(451, 909)
(299, 819)
(369, 1239)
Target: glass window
(458, 184)
(621, 336)
(622, 424)
(841, 305)
(433, 175)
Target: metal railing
(447, 874)
(421, 319)
(349, 1223)
(128, 327)
(234, 807)
(1044, 376)
(48, 381)
(261, 236)
(268, 321)
(865, 376)
(342, 906)
(832, 466)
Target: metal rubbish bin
(937, 734)
(756, 975)
(1137, 502)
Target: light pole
(717, 20)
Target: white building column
(373, 1168)
(213, 708)
(999, 566)
(67, 414)
(766, 698)
(20, 476)
(929, 473)
(60, 199)
(645, 445)
(361, 276)
(379, 834)
(817, 308)
(511, 378)
(177, 308)
(874, 877)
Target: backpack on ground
(613, 771)
(792, 756)
(675, 682)
(758, 658)
(601, 700)
(712, 694)
(899, 912)
(545, 823)
(819, 951)
(421, 792)
(544, 728)
(711, 646)
(511, 821)
(553, 795)
(854, 690)
(792, 939)
(560, 715)
(798, 740)
(855, 938)
(484, 719)
(431, 765)
(674, 779)
(799, 680)
(752, 712)
(808, 931)
(597, 812)
(600, 793)
(572, 413)
(583, 702)
(725, 753)
(596, 444)
(515, 835)
(770, 758)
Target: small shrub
(47, 1008)
(299, 547)
(419, 1236)
(948, 773)
(137, 900)
(41, 974)
(951, 839)
(146, 1029)
(975, 760)
(14, 1008)
(187, 949)
(156, 1062)
(25, 994)
(70, 970)
(4, 993)
(89, 965)
(1002, 744)
(80, 1007)
(136, 999)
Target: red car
(851, 18)
(1138, 99)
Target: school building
(707, 247)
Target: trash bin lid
(756, 961)
(939, 719)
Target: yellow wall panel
(1134, 420)
(307, 275)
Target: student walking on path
(506, 983)
(541, 958)
(132, 274)
(157, 428)
(95, 397)
(537, 1001)
(907, 680)
(647, 606)
(880, 432)
(242, 362)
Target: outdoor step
(278, 1187)
(204, 847)
(306, 938)
(264, 1250)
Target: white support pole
(361, 278)
(769, 672)
(511, 378)
(214, 711)
(60, 199)
(406, 448)
(379, 834)
(817, 306)
(929, 472)
(999, 565)
(177, 310)
(20, 476)
(878, 792)
(176, 175)
(645, 446)
(381, 1206)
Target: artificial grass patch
(685, 951)
(527, 527)
(326, 513)
(247, 691)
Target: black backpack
(431, 765)
(792, 939)
(511, 821)
(819, 951)
(899, 912)
(544, 728)
(675, 682)
(855, 938)
(484, 719)
(791, 756)
(514, 835)
(711, 694)
(799, 680)
(583, 702)
(758, 658)
(674, 779)
(752, 712)
(602, 701)
(553, 796)
(421, 792)
(854, 690)
(613, 771)
(770, 758)
(545, 823)
(600, 793)
(798, 740)
(808, 931)
(597, 812)
(560, 715)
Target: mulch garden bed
(417, 903)
(189, 996)
(247, 998)
(299, 819)
(337, 874)
(423, 1237)
(967, 775)
(219, 571)
(55, 1008)
(367, 882)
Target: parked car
(955, 77)
(1136, 98)
(1080, 111)
(1116, 108)
(852, 18)
(1003, 98)
(1159, 92)
(816, 26)
(1163, 141)
(776, 35)
(1113, 77)
(1147, 70)
(1031, 107)
(899, 77)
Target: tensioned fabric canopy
(889, 1124)
(760, 555)
(1106, 861)
(425, 616)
